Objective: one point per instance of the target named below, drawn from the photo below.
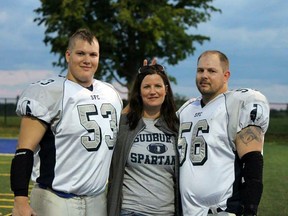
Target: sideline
(8, 145)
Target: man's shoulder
(47, 84)
(247, 107)
(104, 84)
(40, 97)
(188, 103)
(245, 100)
(105, 87)
(245, 95)
(44, 87)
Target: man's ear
(227, 75)
(67, 55)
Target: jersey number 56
(198, 148)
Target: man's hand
(22, 207)
(153, 62)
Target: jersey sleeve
(188, 102)
(117, 93)
(38, 99)
(254, 111)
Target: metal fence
(8, 107)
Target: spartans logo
(28, 111)
(256, 113)
(157, 148)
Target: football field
(275, 194)
(274, 200)
(6, 197)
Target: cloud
(14, 82)
(21, 38)
(275, 93)
(251, 33)
(12, 78)
(3, 17)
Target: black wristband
(252, 186)
(20, 173)
(250, 210)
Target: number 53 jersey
(75, 153)
(209, 165)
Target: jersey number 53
(107, 110)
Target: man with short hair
(67, 134)
(220, 142)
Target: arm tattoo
(249, 134)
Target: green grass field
(6, 197)
(274, 199)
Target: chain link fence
(7, 110)
(8, 107)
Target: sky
(253, 34)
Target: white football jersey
(75, 153)
(209, 165)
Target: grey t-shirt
(148, 186)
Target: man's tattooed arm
(251, 133)
(249, 139)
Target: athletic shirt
(148, 185)
(75, 153)
(209, 173)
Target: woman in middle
(145, 165)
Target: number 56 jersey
(75, 153)
(209, 165)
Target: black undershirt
(90, 87)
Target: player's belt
(58, 193)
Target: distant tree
(128, 31)
(179, 100)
